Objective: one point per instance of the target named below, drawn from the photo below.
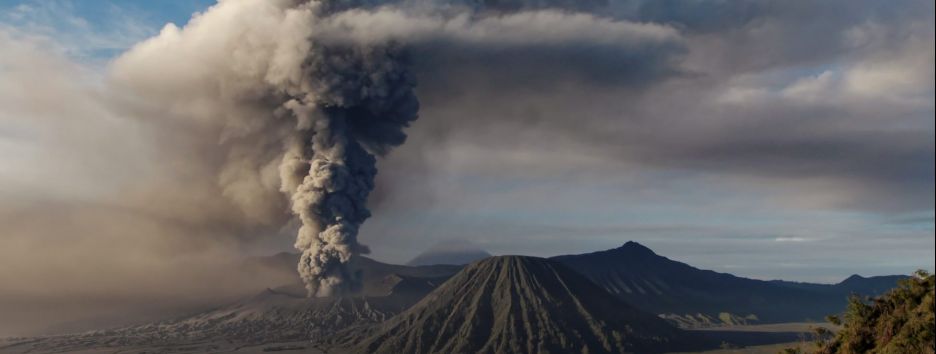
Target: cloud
(754, 111)
(77, 36)
(791, 239)
(843, 128)
(107, 209)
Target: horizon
(148, 147)
(623, 245)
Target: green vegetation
(900, 321)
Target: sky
(773, 140)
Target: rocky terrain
(516, 304)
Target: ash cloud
(829, 100)
(285, 101)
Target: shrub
(900, 321)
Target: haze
(788, 139)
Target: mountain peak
(520, 304)
(635, 248)
(450, 252)
(852, 279)
(630, 252)
(508, 260)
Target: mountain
(696, 297)
(854, 284)
(870, 286)
(607, 301)
(284, 313)
(516, 304)
(279, 315)
(374, 273)
(275, 315)
(453, 252)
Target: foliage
(900, 321)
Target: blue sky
(98, 30)
(547, 189)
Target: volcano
(449, 252)
(517, 304)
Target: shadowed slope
(450, 252)
(696, 297)
(514, 304)
(457, 257)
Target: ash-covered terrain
(516, 304)
(627, 299)
(276, 315)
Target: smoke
(355, 105)
(286, 101)
(313, 92)
(352, 103)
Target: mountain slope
(693, 296)
(270, 317)
(854, 284)
(284, 313)
(452, 252)
(515, 304)
(281, 314)
(457, 257)
(275, 315)
(374, 273)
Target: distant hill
(456, 253)
(374, 273)
(854, 284)
(696, 297)
(516, 304)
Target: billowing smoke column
(354, 104)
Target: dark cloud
(831, 96)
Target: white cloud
(77, 37)
(792, 239)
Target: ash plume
(356, 103)
(297, 114)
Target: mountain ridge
(451, 252)
(696, 296)
(283, 313)
(519, 304)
